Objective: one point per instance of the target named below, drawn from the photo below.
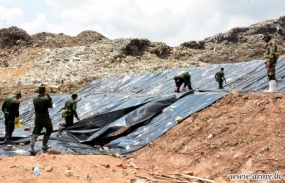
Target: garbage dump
(122, 114)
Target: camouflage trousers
(271, 73)
(220, 81)
(40, 124)
(69, 120)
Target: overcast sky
(170, 21)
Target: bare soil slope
(238, 134)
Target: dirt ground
(65, 168)
(239, 134)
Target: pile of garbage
(50, 40)
(105, 58)
(236, 45)
(14, 36)
(58, 58)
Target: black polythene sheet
(127, 112)
(120, 125)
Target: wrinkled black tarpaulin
(127, 112)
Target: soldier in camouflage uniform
(220, 77)
(42, 120)
(181, 78)
(271, 56)
(10, 109)
(71, 106)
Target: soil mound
(238, 134)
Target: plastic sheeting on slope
(128, 112)
(124, 123)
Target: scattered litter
(178, 119)
(36, 171)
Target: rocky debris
(15, 166)
(49, 168)
(117, 155)
(68, 173)
(54, 151)
(124, 166)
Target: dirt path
(65, 168)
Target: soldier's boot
(273, 85)
(45, 143)
(8, 138)
(8, 141)
(32, 144)
(5, 139)
(269, 87)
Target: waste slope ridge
(59, 58)
(241, 133)
(140, 108)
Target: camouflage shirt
(183, 77)
(270, 52)
(41, 105)
(11, 106)
(71, 106)
(219, 75)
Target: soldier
(271, 55)
(181, 78)
(220, 77)
(42, 119)
(10, 109)
(70, 107)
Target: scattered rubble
(49, 168)
(54, 151)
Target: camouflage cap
(42, 89)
